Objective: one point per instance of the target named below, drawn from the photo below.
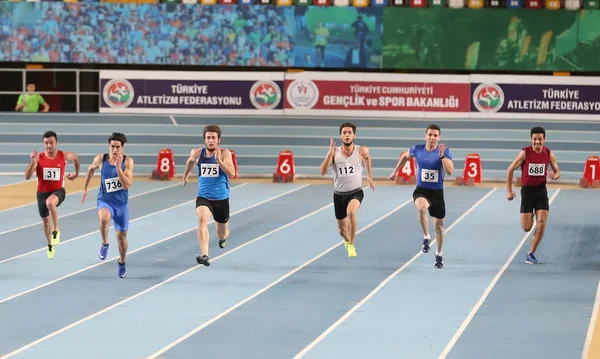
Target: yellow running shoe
(346, 244)
(55, 238)
(351, 250)
(51, 251)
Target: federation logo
(488, 97)
(118, 93)
(302, 94)
(265, 95)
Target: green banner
(491, 39)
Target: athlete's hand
(371, 183)
(441, 148)
(393, 176)
(119, 160)
(83, 195)
(331, 147)
(552, 175)
(34, 154)
(185, 180)
(71, 176)
(510, 195)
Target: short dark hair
(117, 136)
(538, 129)
(212, 128)
(49, 134)
(433, 127)
(348, 124)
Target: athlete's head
(432, 135)
(538, 137)
(116, 141)
(347, 133)
(212, 137)
(50, 141)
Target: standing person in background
(49, 167)
(31, 101)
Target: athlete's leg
(340, 209)
(527, 221)
(105, 213)
(121, 222)
(422, 205)
(221, 217)
(52, 204)
(541, 216)
(203, 213)
(438, 225)
(353, 207)
(46, 222)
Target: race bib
(113, 184)
(537, 169)
(429, 175)
(52, 174)
(209, 170)
(346, 170)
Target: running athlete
(346, 163)
(116, 177)
(215, 166)
(533, 161)
(433, 161)
(49, 168)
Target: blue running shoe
(103, 251)
(530, 259)
(438, 262)
(426, 246)
(122, 270)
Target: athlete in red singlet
(50, 167)
(533, 161)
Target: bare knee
(46, 222)
(104, 216)
(439, 228)
(121, 237)
(52, 202)
(351, 214)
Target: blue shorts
(119, 215)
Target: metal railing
(77, 92)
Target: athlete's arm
(225, 161)
(126, 175)
(72, 156)
(91, 169)
(364, 152)
(328, 158)
(30, 170)
(511, 169)
(554, 165)
(191, 161)
(446, 159)
(405, 156)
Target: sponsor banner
(531, 96)
(227, 93)
(382, 95)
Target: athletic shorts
(342, 200)
(119, 215)
(218, 208)
(534, 198)
(435, 197)
(43, 196)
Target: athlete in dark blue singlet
(433, 162)
(116, 176)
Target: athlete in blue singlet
(116, 176)
(215, 166)
(433, 162)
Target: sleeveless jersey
(213, 183)
(535, 167)
(50, 172)
(111, 189)
(430, 170)
(347, 171)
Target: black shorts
(534, 198)
(43, 196)
(435, 197)
(219, 208)
(341, 201)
